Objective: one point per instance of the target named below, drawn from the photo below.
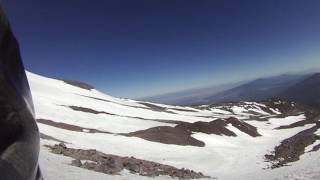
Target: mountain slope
(258, 90)
(112, 138)
(306, 91)
(194, 96)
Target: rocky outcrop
(111, 164)
(181, 134)
(292, 148)
(78, 84)
(217, 127)
(69, 126)
(168, 135)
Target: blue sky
(141, 48)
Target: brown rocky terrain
(184, 110)
(168, 135)
(69, 126)
(219, 127)
(92, 111)
(181, 133)
(78, 84)
(292, 148)
(112, 164)
(214, 127)
(312, 117)
(44, 136)
(88, 110)
(148, 105)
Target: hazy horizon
(143, 48)
(228, 85)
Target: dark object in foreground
(112, 164)
(19, 135)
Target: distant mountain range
(192, 96)
(306, 91)
(303, 88)
(259, 89)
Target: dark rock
(78, 84)
(214, 127)
(89, 165)
(292, 148)
(168, 135)
(76, 163)
(111, 164)
(243, 126)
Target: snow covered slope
(225, 141)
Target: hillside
(257, 90)
(87, 134)
(193, 96)
(306, 91)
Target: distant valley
(296, 87)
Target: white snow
(276, 111)
(240, 157)
(310, 147)
(287, 120)
(258, 110)
(58, 167)
(239, 110)
(219, 111)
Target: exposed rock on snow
(212, 139)
(78, 84)
(181, 134)
(311, 118)
(111, 164)
(69, 126)
(217, 127)
(292, 148)
(88, 110)
(76, 163)
(168, 135)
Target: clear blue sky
(145, 47)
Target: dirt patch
(292, 148)
(88, 110)
(44, 136)
(219, 127)
(312, 117)
(154, 107)
(184, 110)
(181, 133)
(104, 100)
(261, 118)
(69, 126)
(296, 124)
(149, 106)
(285, 107)
(266, 109)
(92, 111)
(111, 164)
(168, 135)
(78, 84)
(214, 127)
(315, 148)
(243, 126)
